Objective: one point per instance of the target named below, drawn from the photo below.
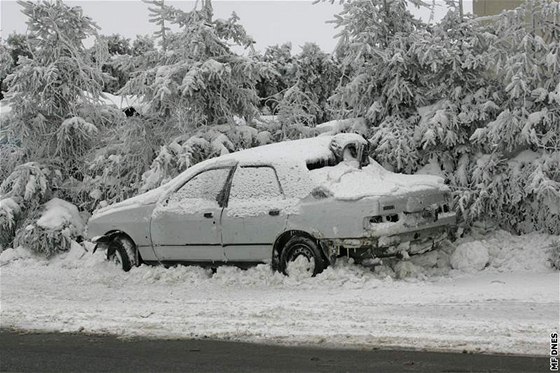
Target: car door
(254, 215)
(184, 227)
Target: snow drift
(510, 306)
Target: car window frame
(253, 166)
(222, 201)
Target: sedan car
(296, 204)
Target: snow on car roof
(300, 151)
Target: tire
(122, 252)
(305, 247)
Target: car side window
(204, 188)
(254, 183)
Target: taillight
(392, 218)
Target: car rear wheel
(122, 252)
(302, 257)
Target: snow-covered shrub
(555, 254)
(51, 229)
(9, 211)
(23, 191)
(61, 76)
(108, 177)
(522, 193)
(74, 137)
(29, 184)
(394, 144)
(11, 156)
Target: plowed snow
(510, 306)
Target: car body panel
(255, 214)
(177, 235)
(250, 238)
(133, 219)
(185, 225)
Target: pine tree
(55, 109)
(198, 80)
(477, 97)
(59, 81)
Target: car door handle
(208, 215)
(274, 212)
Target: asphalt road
(51, 352)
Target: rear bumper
(399, 240)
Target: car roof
(294, 151)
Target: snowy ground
(511, 306)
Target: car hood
(347, 182)
(148, 198)
(129, 217)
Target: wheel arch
(109, 236)
(285, 237)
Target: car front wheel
(122, 252)
(302, 257)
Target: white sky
(268, 22)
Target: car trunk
(414, 201)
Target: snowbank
(470, 257)
(432, 306)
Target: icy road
(510, 306)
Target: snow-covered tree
(279, 77)
(297, 87)
(6, 66)
(384, 79)
(524, 134)
(142, 45)
(59, 81)
(117, 46)
(317, 74)
(55, 113)
(198, 80)
(477, 97)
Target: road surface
(53, 352)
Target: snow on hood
(347, 182)
(147, 198)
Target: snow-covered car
(296, 204)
